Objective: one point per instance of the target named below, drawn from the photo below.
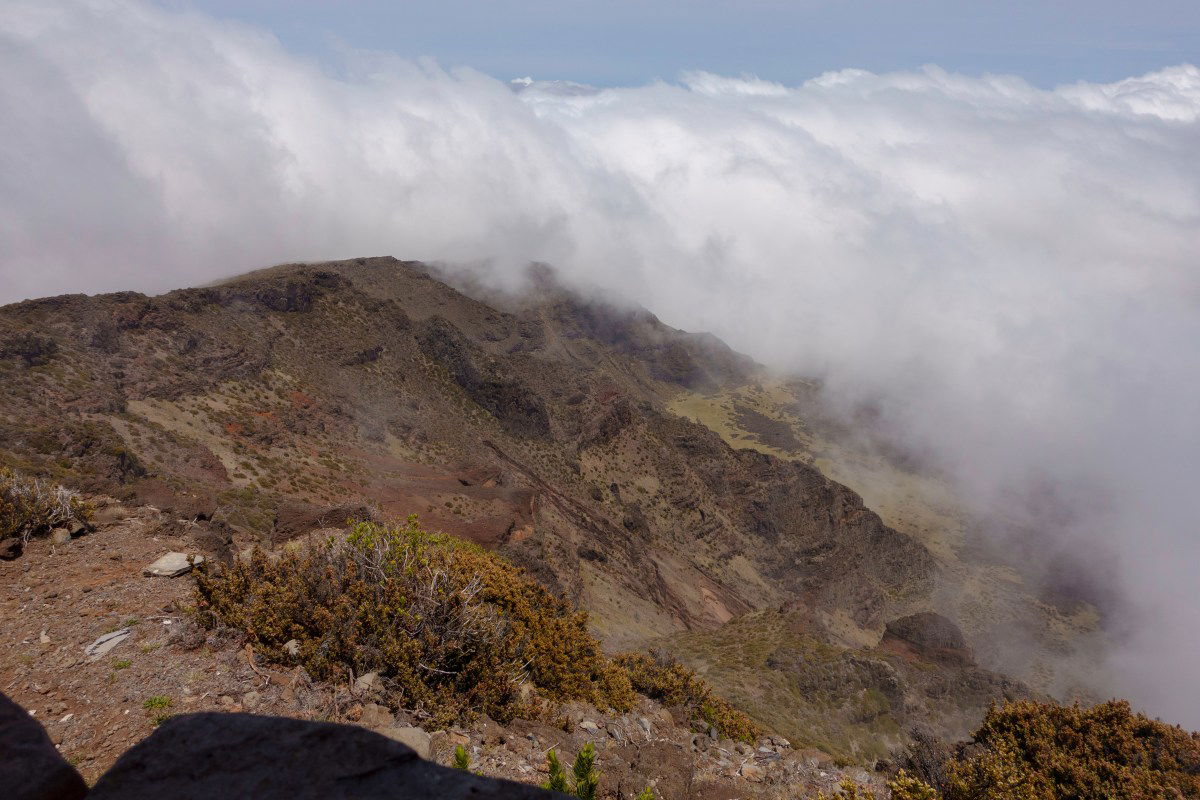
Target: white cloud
(1011, 272)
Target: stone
(366, 683)
(250, 700)
(644, 724)
(11, 547)
(172, 565)
(616, 733)
(44, 638)
(752, 772)
(107, 642)
(589, 726)
(60, 536)
(30, 767)
(375, 716)
(292, 647)
(415, 738)
(213, 755)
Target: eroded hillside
(558, 431)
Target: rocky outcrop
(930, 635)
(30, 766)
(211, 755)
(204, 756)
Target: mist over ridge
(1009, 274)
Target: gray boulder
(30, 766)
(212, 755)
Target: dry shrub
(665, 679)
(31, 506)
(450, 628)
(1043, 751)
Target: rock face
(30, 767)
(205, 756)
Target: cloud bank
(1011, 274)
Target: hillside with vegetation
(619, 523)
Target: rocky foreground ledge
(216, 755)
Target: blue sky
(616, 42)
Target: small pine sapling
(557, 781)
(587, 780)
(462, 759)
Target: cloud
(1009, 273)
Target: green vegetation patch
(1044, 751)
(664, 679)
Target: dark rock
(11, 547)
(30, 767)
(204, 756)
(930, 635)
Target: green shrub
(31, 506)
(451, 628)
(1044, 751)
(905, 787)
(462, 759)
(664, 679)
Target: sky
(1004, 264)
(623, 42)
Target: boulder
(930, 635)
(412, 737)
(172, 565)
(30, 766)
(211, 755)
(60, 536)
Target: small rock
(589, 726)
(172, 565)
(713, 733)
(292, 647)
(106, 643)
(44, 638)
(415, 738)
(616, 733)
(251, 699)
(60, 536)
(376, 716)
(11, 547)
(365, 683)
(644, 724)
(226, 700)
(752, 772)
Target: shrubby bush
(1044, 751)
(450, 628)
(32, 506)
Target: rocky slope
(553, 429)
